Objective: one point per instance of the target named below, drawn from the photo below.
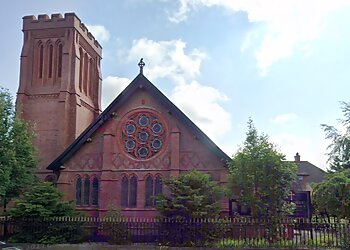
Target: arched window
(81, 69)
(91, 77)
(153, 188)
(86, 73)
(86, 191)
(158, 187)
(41, 60)
(50, 60)
(78, 185)
(149, 192)
(133, 192)
(59, 63)
(94, 196)
(124, 192)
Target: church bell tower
(60, 82)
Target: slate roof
(316, 174)
(141, 82)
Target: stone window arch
(40, 60)
(59, 47)
(153, 187)
(158, 185)
(129, 191)
(50, 59)
(81, 69)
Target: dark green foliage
(191, 195)
(260, 178)
(37, 210)
(339, 149)
(17, 154)
(333, 195)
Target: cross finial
(141, 65)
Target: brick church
(116, 157)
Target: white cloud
(171, 60)
(310, 149)
(289, 23)
(99, 32)
(111, 88)
(284, 118)
(167, 59)
(201, 104)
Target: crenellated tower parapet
(58, 21)
(60, 81)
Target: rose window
(143, 135)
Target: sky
(283, 63)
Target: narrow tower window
(149, 192)
(59, 69)
(81, 69)
(41, 60)
(50, 60)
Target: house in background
(307, 174)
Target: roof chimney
(297, 157)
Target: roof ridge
(122, 97)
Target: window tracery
(143, 134)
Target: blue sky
(284, 63)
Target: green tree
(191, 195)
(339, 149)
(333, 195)
(17, 154)
(260, 177)
(35, 211)
(42, 200)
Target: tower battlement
(69, 20)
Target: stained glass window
(143, 134)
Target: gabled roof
(140, 82)
(316, 174)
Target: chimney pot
(297, 157)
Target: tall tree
(17, 154)
(260, 177)
(191, 195)
(339, 149)
(333, 195)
